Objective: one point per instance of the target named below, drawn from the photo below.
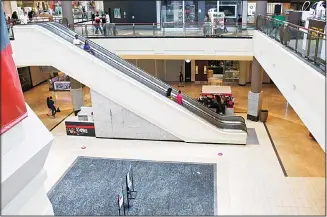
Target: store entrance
(188, 73)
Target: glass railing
(207, 29)
(162, 30)
(308, 44)
(151, 77)
(10, 32)
(224, 122)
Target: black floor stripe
(276, 152)
(61, 121)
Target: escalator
(226, 127)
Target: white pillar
(13, 6)
(158, 12)
(244, 14)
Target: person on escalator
(168, 93)
(76, 41)
(179, 98)
(87, 47)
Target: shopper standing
(219, 105)
(181, 79)
(179, 98)
(103, 24)
(107, 17)
(97, 24)
(23, 18)
(14, 17)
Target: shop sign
(80, 129)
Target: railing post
(308, 44)
(316, 49)
(297, 38)
(86, 31)
(154, 31)
(163, 29)
(133, 29)
(184, 30)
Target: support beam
(76, 91)
(255, 95)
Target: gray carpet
(252, 138)
(91, 185)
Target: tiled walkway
(300, 155)
(249, 178)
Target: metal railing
(162, 30)
(167, 29)
(306, 43)
(224, 122)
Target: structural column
(244, 14)
(76, 91)
(244, 71)
(261, 8)
(67, 12)
(255, 95)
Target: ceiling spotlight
(188, 60)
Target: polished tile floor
(249, 178)
(300, 155)
(36, 99)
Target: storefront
(175, 14)
(60, 81)
(224, 71)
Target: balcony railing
(308, 44)
(162, 30)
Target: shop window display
(192, 13)
(231, 71)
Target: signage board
(80, 128)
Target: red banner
(13, 108)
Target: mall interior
(163, 108)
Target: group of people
(179, 97)
(52, 107)
(23, 18)
(99, 22)
(219, 102)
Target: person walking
(179, 98)
(52, 107)
(48, 105)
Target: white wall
(107, 80)
(166, 70)
(113, 121)
(24, 149)
(219, 47)
(301, 85)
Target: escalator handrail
(153, 78)
(155, 87)
(185, 97)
